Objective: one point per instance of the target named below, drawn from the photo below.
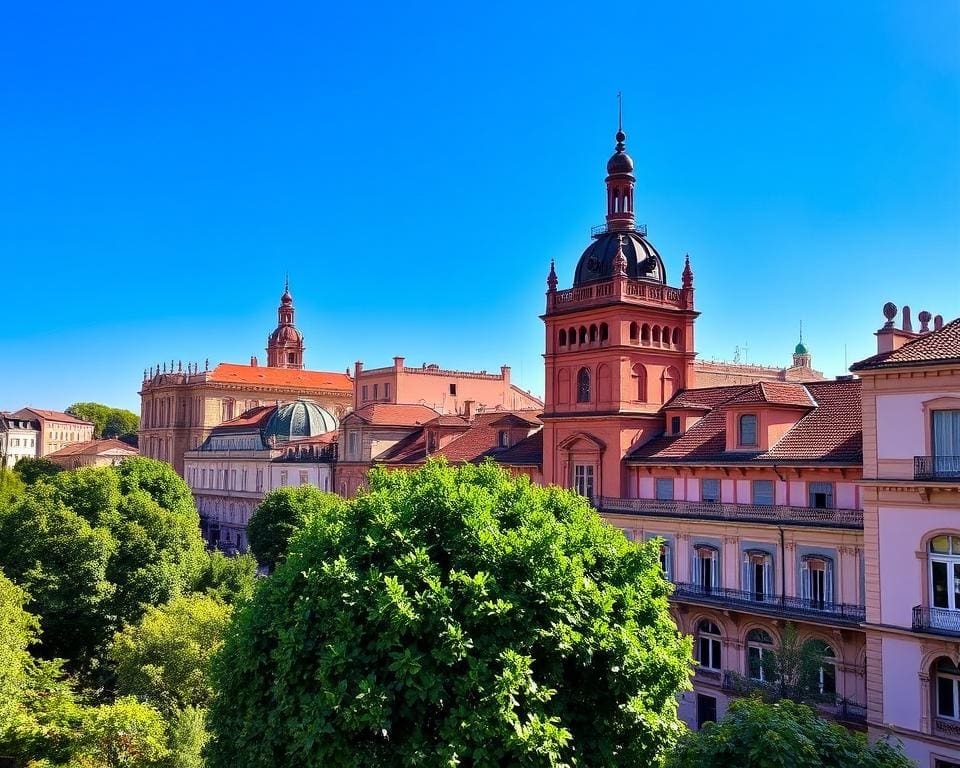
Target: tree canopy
(107, 421)
(281, 514)
(755, 734)
(453, 617)
(31, 469)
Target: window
(948, 689)
(666, 561)
(633, 332)
(945, 442)
(562, 341)
(283, 477)
(203, 478)
(259, 480)
(431, 441)
(664, 488)
(453, 389)
(352, 446)
(944, 579)
(386, 391)
(706, 567)
(604, 332)
(827, 674)
(820, 495)
(674, 425)
(762, 492)
(363, 390)
(757, 574)
(503, 438)
(816, 581)
(708, 644)
(376, 391)
(233, 479)
(303, 477)
(748, 429)
(583, 386)
(710, 490)
(583, 479)
(759, 655)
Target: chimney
(398, 363)
(889, 337)
(253, 361)
(505, 373)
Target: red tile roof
(254, 417)
(941, 346)
(528, 452)
(774, 393)
(829, 433)
(325, 439)
(233, 373)
(393, 415)
(50, 415)
(95, 448)
(446, 420)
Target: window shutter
(668, 565)
(695, 572)
(805, 582)
(828, 582)
(715, 571)
(745, 580)
(767, 577)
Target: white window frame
(584, 477)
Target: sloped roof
(234, 373)
(393, 415)
(94, 448)
(527, 452)
(941, 346)
(254, 418)
(829, 433)
(49, 416)
(774, 393)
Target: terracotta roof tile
(774, 393)
(94, 448)
(51, 415)
(393, 415)
(233, 373)
(254, 417)
(941, 346)
(527, 452)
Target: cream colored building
(56, 429)
(93, 453)
(19, 439)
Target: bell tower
(285, 344)
(619, 344)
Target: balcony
(818, 611)
(936, 468)
(830, 704)
(937, 621)
(946, 727)
(601, 229)
(742, 513)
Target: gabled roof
(393, 415)
(234, 373)
(936, 347)
(829, 433)
(42, 413)
(447, 420)
(95, 448)
(251, 419)
(774, 393)
(527, 452)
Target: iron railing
(841, 709)
(776, 605)
(936, 468)
(947, 727)
(940, 621)
(745, 513)
(601, 229)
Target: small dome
(620, 161)
(286, 334)
(286, 300)
(301, 418)
(643, 261)
(800, 349)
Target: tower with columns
(285, 344)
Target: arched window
(747, 430)
(706, 568)
(708, 644)
(760, 659)
(757, 574)
(563, 338)
(604, 332)
(572, 336)
(944, 574)
(676, 337)
(640, 373)
(583, 386)
(656, 334)
(827, 674)
(947, 693)
(645, 334)
(816, 581)
(593, 333)
(665, 336)
(633, 333)
(583, 334)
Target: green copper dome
(301, 418)
(800, 349)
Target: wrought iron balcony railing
(939, 621)
(841, 709)
(745, 513)
(946, 727)
(601, 229)
(775, 605)
(936, 468)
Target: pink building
(911, 501)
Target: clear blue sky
(415, 168)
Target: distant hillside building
(56, 428)
(93, 453)
(179, 408)
(19, 438)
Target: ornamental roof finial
(620, 260)
(687, 273)
(552, 277)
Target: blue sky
(415, 167)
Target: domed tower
(801, 355)
(301, 418)
(619, 344)
(285, 344)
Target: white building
(19, 438)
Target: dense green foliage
(107, 421)
(11, 486)
(453, 617)
(754, 734)
(30, 470)
(280, 515)
(230, 579)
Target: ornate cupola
(620, 183)
(285, 344)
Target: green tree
(11, 487)
(755, 734)
(107, 421)
(230, 579)
(164, 660)
(453, 617)
(280, 515)
(31, 470)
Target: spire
(620, 180)
(286, 300)
(687, 273)
(552, 277)
(620, 260)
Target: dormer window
(747, 430)
(431, 441)
(503, 439)
(674, 425)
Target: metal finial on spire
(552, 277)
(801, 331)
(620, 110)
(286, 281)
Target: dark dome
(301, 418)
(620, 161)
(643, 261)
(286, 300)
(286, 334)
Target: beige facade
(93, 453)
(56, 429)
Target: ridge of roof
(942, 346)
(45, 413)
(94, 447)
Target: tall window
(674, 425)
(948, 689)
(827, 674)
(283, 477)
(376, 391)
(762, 492)
(666, 560)
(759, 655)
(503, 438)
(757, 574)
(583, 386)
(664, 489)
(821, 495)
(386, 390)
(945, 442)
(708, 644)
(706, 568)
(304, 477)
(710, 490)
(816, 581)
(352, 444)
(583, 479)
(944, 577)
(748, 429)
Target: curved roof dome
(286, 334)
(620, 161)
(643, 261)
(800, 349)
(301, 418)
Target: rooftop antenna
(801, 331)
